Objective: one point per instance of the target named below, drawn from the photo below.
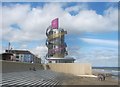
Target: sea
(115, 71)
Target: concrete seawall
(72, 68)
(9, 66)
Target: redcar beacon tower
(56, 44)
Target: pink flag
(55, 23)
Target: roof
(19, 51)
(68, 58)
(6, 54)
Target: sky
(92, 28)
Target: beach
(89, 81)
(49, 77)
(79, 80)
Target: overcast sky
(92, 28)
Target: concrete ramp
(30, 79)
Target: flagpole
(9, 47)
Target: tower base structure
(61, 60)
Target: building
(56, 44)
(36, 59)
(6, 56)
(23, 56)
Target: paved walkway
(31, 79)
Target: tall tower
(56, 43)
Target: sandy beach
(78, 80)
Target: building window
(17, 56)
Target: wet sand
(77, 80)
(89, 81)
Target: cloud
(1, 49)
(100, 41)
(64, 1)
(99, 56)
(40, 51)
(77, 8)
(34, 21)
